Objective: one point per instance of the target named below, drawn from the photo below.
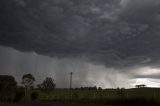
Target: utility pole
(71, 74)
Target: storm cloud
(118, 34)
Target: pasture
(136, 96)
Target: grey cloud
(153, 76)
(110, 32)
(13, 62)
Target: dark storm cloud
(112, 32)
(152, 76)
(16, 63)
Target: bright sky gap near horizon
(107, 43)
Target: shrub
(7, 88)
(34, 96)
(20, 94)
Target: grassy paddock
(146, 96)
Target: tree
(8, 87)
(140, 86)
(99, 88)
(27, 81)
(47, 85)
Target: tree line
(11, 91)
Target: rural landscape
(79, 52)
(46, 92)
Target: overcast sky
(107, 43)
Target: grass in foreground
(118, 97)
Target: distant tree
(88, 88)
(47, 85)
(140, 86)
(99, 88)
(93, 88)
(27, 81)
(8, 87)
